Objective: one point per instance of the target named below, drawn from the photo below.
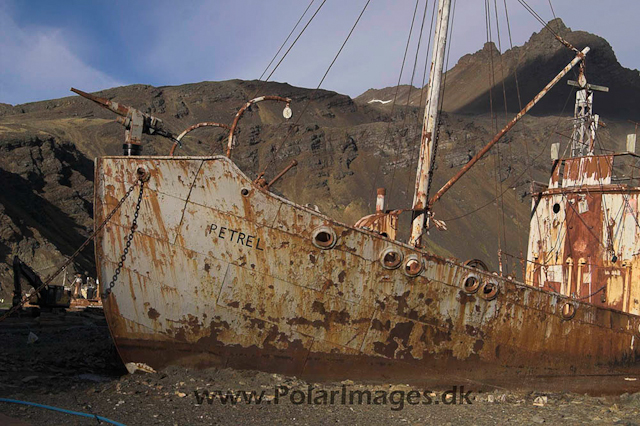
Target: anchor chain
(427, 208)
(433, 162)
(51, 277)
(123, 257)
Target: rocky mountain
(533, 65)
(45, 202)
(345, 148)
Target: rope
(73, 256)
(62, 410)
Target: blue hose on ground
(62, 410)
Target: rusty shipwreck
(218, 270)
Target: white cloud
(38, 63)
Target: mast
(585, 121)
(430, 125)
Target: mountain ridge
(536, 62)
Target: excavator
(51, 297)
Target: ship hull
(221, 273)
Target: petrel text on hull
(208, 267)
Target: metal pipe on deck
(286, 113)
(381, 193)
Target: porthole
(391, 258)
(568, 310)
(244, 192)
(556, 208)
(413, 265)
(489, 290)
(324, 237)
(471, 284)
(477, 264)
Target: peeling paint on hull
(221, 273)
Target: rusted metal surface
(380, 196)
(192, 128)
(584, 239)
(381, 222)
(222, 273)
(121, 110)
(291, 165)
(508, 127)
(134, 121)
(593, 170)
(241, 111)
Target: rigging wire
(393, 105)
(526, 142)
(413, 73)
(426, 58)
(504, 89)
(553, 12)
(415, 61)
(509, 144)
(545, 25)
(619, 228)
(436, 137)
(290, 47)
(515, 71)
(414, 157)
(282, 46)
(263, 82)
(285, 41)
(294, 125)
(494, 122)
(542, 151)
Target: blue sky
(48, 46)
